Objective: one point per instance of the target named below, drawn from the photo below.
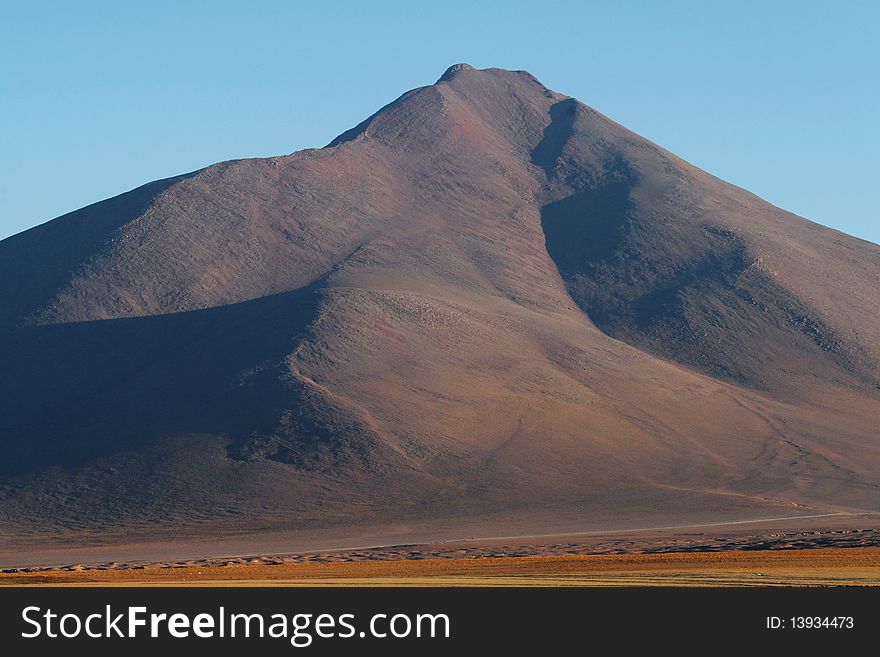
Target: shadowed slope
(658, 255)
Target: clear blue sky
(99, 97)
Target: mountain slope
(486, 303)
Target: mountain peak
(454, 70)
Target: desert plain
(774, 553)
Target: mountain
(486, 309)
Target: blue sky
(99, 97)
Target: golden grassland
(815, 567)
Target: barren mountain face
(486, 307)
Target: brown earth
(822, 567)
(486, 310)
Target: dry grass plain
(814, 567)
